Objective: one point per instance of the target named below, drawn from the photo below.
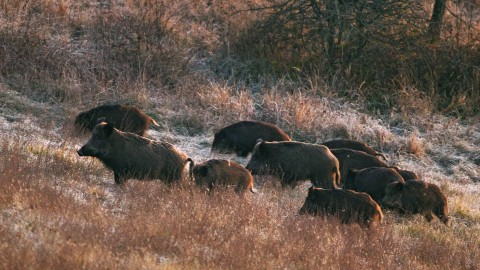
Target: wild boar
(122, 117)
(131, 156)
(294, 162)
(241, 137)
(355, 160)
(346, 205)
(354, 145)
(373, 181)
(406, 175)
(214, 173)
(417, 197)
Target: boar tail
(154, 122)
(190, 168)
(380, 215)
(338, 180)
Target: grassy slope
(62, 211)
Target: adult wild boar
(215, 172)
(355, 160)
(122, 117)
(354, 145)
(241, 137)
(417, 197)
(346, 205)
(131, 156)
(373, 181)
(406, 175)
(294, 162)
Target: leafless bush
(375, 46)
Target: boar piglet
(216, 173)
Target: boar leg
(441, 216)
(118, 179)
(429, 216)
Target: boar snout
(85, 151)
(80, 152)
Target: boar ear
(101, 119)
(108, 129)
(396, 186)
(261, 146)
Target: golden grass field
(176, 61)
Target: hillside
(191, 67)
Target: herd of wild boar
(349, 181)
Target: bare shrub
(373, 47)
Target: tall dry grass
(196, 66)
(66, 218)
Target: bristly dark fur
(131, 156)
(346, 205)
(354, 145)
(373, 181)
(353, 159)
(294, 162)
(418, 197)
(214, 173)
(122, 117)
(241, 137)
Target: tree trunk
(435, 26)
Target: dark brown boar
(406, 175)
(131, 156)
(122, 117)
(417, 197)
(346, 205)
(241, 137)
(354, 145)
(214, 173)
(355, 160)
(294, 162)
(373, 181)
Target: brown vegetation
(81, 219)
(197, 66)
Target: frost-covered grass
(62, 210)
(191, 65)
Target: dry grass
(193, 66)
(415, 145)
(67, 218)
